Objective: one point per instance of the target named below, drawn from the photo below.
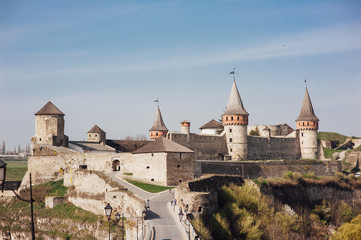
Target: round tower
(307, 126)
(235, 121)
(185, 127)
(158, 129)
(49, 126)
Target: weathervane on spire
(306, 82)
(233, 72)
(157, 101)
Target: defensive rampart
(204, 146)
(267, 169)
(273, 148)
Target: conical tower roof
(158, 124)
(96, 129)
(307, 113)
(235, 105)
(49, 109)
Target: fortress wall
(180, 168)
(273, 148)
(204, 146)
(150, 167)
(91, 192)
(52, 167)
(268, 169)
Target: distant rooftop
(49, 109)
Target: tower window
(152, 179)
(156, 133)
(230, 130)
(303, 124)
(231, 118)
(180, 180)
(226, 118)
(308, 124)
(40, 139)
(230, 149)
(238, 118)
(96, 135)
(147, 167)
(90, 135)
(302, 134)
(178, 166)
(230, 140)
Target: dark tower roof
(96, 129)
(163, 145)
(235, 105)
(307, 113)
(49, 109)
(212, 124)
(158, 124)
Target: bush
(349, 231)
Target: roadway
(160, 215)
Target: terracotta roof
(49, 109)
(96, 129)
(212, 124)
(163, 145)
(158, 124)
(307, 113)
(235, 105)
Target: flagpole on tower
(233, 72)
(157, 101)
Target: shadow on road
(152, 215)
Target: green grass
(69, 211)
(15, 169)
(332, 136)
(329, 152)
(148, 187)
(128, 173)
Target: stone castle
(169, 158)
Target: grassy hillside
(332, 136)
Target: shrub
(349, 231)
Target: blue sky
(104, 62)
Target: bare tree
(3, 147)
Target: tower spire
(158, 128)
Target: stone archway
(116, 165)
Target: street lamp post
(2, 174)
(2, 183)
(108, 212)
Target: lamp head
(108, 210)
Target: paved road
(161, 215)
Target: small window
(230, 150)
(231, 118)
(230, 130)
(302, 134)
(238, 118)
(40, 139)
(90, 135)
(152, 179)
(303, 124)
(308, 124)
(83, 166)
(230, 140)
(41, 148)
(147, 167)
(96, 135)
(180, 180)
(178, 166)
(226, 118)
(156, 133)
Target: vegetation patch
(329, 152)
(148, 187)
(334, 138)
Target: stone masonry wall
(204, 146)
(92, 192)
(267, 169)
(180, 168)
(150, 167)
(273, 148)
(52, 167)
